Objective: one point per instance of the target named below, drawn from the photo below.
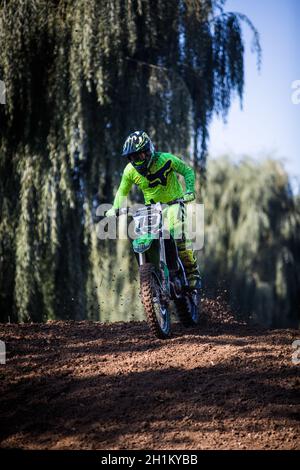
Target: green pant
(175, 220)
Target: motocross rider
(155, 174)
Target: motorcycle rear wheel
(187, 309)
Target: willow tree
(252, 239)
(80, 75)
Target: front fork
(142, 258)
(163, 269)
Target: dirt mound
(87, 385)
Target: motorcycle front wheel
(157, 313)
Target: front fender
(143, 243)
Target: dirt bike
(162, 274)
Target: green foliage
(252, 238)
(80, 75)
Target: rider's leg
(177, 226)
(189, 261)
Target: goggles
(138, 157)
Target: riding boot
(189, 261)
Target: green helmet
(139, 149)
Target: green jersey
(161, 184)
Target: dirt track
(71, 385)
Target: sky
(269, 123)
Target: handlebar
(125, 210)
(176, 201)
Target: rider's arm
(186, 171)
(123, 189)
